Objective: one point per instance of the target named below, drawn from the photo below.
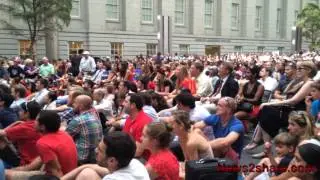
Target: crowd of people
(145, 118)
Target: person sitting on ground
(115, 158)
(136, 121)
(85, 128)
(50, 101)
(300, 125)
(23, 134)
(56, 149)
(306, 157)
(19, 93)
(42, 90)
(162, 164)
(228, 130)
(147, 107)
(7, 115)
(285, 147)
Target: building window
(24, 48)
(179, 12)
(296, 13)
(113, 10)
(75, 47)
(151, 49)
(278, 20)
(260, 49)
(146, 11)
(208, 12)
(75, 11)
(116, 49)
(280, 49)
(258, 18)
(184, 49)
(238, 48)
(235, 21)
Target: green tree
(309, 21)
(40, 17)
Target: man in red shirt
(24, 134)
(56, 149)
(135, 122)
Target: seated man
(115, 155)
(228, 130)
(56, 149)
(85, 128)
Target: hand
(263, 105)
(267, 147)
(308, 100)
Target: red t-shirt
(135, 128)
(60, 146)
(25, 136)
(165, 164)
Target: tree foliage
(309, 20)
(38, 15)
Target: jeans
(1, 170)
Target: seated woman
(300, 125)
(193, 143)
(306, 157)
(273, 116)
(249, 96)
(162, 164)
(163, 86)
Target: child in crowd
(285, 145)
(313, 107)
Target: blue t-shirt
(315, 108)
(234, 125)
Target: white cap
(86, 53)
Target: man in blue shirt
(227, 129)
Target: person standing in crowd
(162, 164)
(87, 64)
(46, 69)
(75, 63)
(115, 157)
(85, 128)
(15, 70)
(135, 123)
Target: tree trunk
(33, 49)
(51, 40)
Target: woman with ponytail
(162, 164)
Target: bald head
(83, 103)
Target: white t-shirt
(270, 84)
(134, 171)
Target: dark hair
(20, 90)
(183, 118)
(161, 132)
(121, 146)
(90, 83)
(130, 86)
(198, 66)
(316, 85)
(161, 102)
(50, 119)
(7, 98)
(44, 82)
(146, 97)
(137, 100)
(52, 95)
(145, 81)
(32, 107)
(255, 71)
(228, 66)
(5, 89)
(186, 99)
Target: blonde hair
(310, 65)
(303, 119)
